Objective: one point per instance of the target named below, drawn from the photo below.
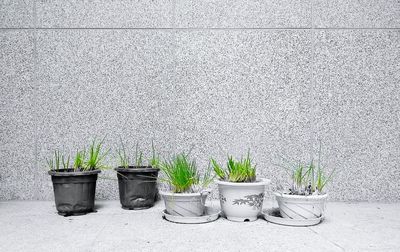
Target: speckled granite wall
(274, 76)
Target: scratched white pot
(185, 204)
(301, 207)
(242, 201)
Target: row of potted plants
(185, 190)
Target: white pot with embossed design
(242, 201)
(301, 207)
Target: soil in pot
(137, 186)
(74, 191)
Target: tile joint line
(196, 28)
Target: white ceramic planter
(301, 207)
(242, 201)
(185, 204)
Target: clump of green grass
(236, 171)
(65, 162)
(155, 160)
(83, 161)
(138, 156)
(181, 174)
(137, 160)
(308, 178)
(57, 161)
(79, 160)
(95, 156)
(123, 157)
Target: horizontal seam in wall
(357, 28)
(191, 29)
(149, 28)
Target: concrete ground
(35, 226)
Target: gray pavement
(35, 226)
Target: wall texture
(275, 76)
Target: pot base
(136, 208)
(211, 214)
(241, 219)
(66, 214)
(274, 216)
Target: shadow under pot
(137, 186)
(242, 201)
(185, 204)
(74, 191)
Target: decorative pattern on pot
(301, 207)
(242, 201)
(255, 201)
(222, 198)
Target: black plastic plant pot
(137, 186)
(74, 191)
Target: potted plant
(137, 182)
(75, 184)
(306, 198)
(241, 194)
(187, 192)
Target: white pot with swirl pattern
(301, 207)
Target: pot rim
(72, 174)
(289, 196)
(169, 193)
(133, 169)
(258, 182)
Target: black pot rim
(135, 169)
(61, 173)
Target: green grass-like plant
(155, 160)
(65, 161)
(138, 156)
(236, 171)
(181, 173)
(83, 161)
(95, 156)
(137, 160)
(182, 176)
(79, 160)
(57, 161)
(123, 157)
(307, 178)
